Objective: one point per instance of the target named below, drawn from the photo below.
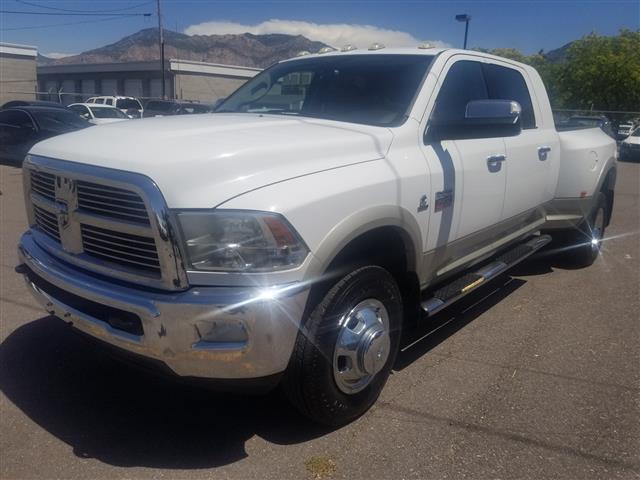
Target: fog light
(223, 332)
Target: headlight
(240, 241)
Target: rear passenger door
(530, 155)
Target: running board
(445, 296)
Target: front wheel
(346, 348)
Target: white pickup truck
(285, 238)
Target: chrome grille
(125, 249)
(112, 202)
(47, 222)
(43, 184)
(112, 222)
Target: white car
(630, 147)
(287, 237)
(98, 114)
(129, 105)
(624, 129)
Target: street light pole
(161, 42)
(466, 19)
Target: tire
(584, 250)
(321, 380)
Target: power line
(34, 27)
(21, 12)
(46, 7)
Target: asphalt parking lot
(535, 375)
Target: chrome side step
(450, 293)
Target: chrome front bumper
(175, 324)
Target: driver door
(468, 176)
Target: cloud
(57, 55)
(336, 34)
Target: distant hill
(239, 49)
(559, 55)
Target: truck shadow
(127, 417)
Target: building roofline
(191, 66)
(17, 49)
(175, 65)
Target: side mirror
(482, 119)
(493, 112)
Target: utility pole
(161, 42)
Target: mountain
(239, 49)
(42, 60)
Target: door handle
(494, 161)
(543, 152)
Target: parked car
(590, 121)
(99, 114)
(163, 108)
(129, 105)
(32, 103)
(630, 146)
(285, 239)
(22, 127)
(624, 129)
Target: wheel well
(608, 190)
(388, 247)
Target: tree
(603, 73)
(599, 73)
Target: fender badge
(424, 204)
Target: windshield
(369, 89)
(59, 120)
(107, 113)
(636, 133)
(127, 103)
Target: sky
(528, 26)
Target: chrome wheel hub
(362, 347)
(597, 230)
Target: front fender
(330, 209)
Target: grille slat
(112, 202)
(121, 236)
(128, 250)
(92, 197)
(47, 222)
(120, 259)
(147, 255)
(44, 184)
(107, 243)
(112, 212)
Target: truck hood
(200, 161)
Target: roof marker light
(348, 48)
(326, 50)
(425, 46)
(376, 46)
